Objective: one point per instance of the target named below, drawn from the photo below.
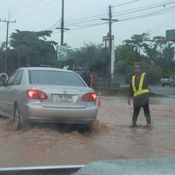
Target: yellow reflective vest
(140, 89)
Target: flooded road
(110, 137)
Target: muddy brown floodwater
(110, 137)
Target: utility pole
(62, 25)
(7, 36)
(110, 20)
(62, 48)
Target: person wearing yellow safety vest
(139, 91)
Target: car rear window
(51, 77)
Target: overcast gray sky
(83, 18)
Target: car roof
(44, 68)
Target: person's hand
(129, 101)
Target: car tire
(19, 121)
(84, 127)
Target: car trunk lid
(64, 96)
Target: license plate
(62, 98)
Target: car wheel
(19, 121)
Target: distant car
(35, 94)
(172, 81)
(168, 81)
(164, 81)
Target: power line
(78, 37)
(37, 10)
(95, 18)
(73, 22)
(126, 3)
(52, 27)
(99, 15)
(77, 25)
(81, 22)
(157, 4)
(22, 7)
(160, 27)
(149, 14)
(143, 8)
(125, 19)
(86, 18)
(95, 14)
(88, 26)
(26, 6)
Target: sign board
(106, 38)
(62, 52)
(170, 35)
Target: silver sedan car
(39, 94)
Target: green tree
(137, 42)
(126, 57)
(140, 49)
(167, 65)
(93, 56)
(32, 48)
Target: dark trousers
(136, 112)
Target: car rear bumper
(35, 113)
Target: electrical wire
(26, 6)
(78, 37)
(143, 8)
(126, 3)
(118, 5)
(91, 21)
(84, 18)
(87, 26)
(37, 10)
(158, 12)
(82, 22)
(149, 14)
(135, 10)
(52, 27)
(160, 27)
(126, 12)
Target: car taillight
(89, 97)
(36, 94)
